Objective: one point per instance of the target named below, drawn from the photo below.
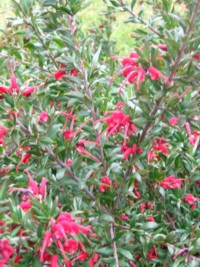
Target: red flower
(6, 252)
(71, 246)
(123, 217)
(173, 121)
(156, 74)
(3, 131)
(105, 184)
(152, 254)
(25, 206)
(171, 182)
(128, 150)
(74, 72)
(116, 122)
(54, 261)
(132, 71)
(82, 256)
(18, 258)
(151, 219)
(93, 260)
(197, 57)
(28, 90)
(190, 199)
(43, 116)
(46, 243)
(60, 73)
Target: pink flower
(156, 74)
(54, 261)
(173, 121)
(71, 246)
(120, 105)
(136, 192)
(190, 199)
(140, 78)
(193, 135)
(4, 90)
(6, 252)
(105, 184)
(46, 243)
(28, 90)
(60, 73)
(123, 217)
(3, 131)
(128, 150)
(116, 122)
(132, 71)
(25, 206)
(152, 254)
(74, 72)
(82, 256)
(151, 219)
(142, 207)
(197, 57)
(160, 144)
(93, 260)
(171, 182)
(43, 116)
(132, 263)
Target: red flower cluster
(171, 182)
(152, 254)
(173, 121)
(60, 73)
(25, 157)
(6, 252)
(159, 146)
(33, 190)
(146, 205)
(3, 131)
(133, 72)
(130, 150)
(190, 199)
(193, 135)
(116, 122)
(105, 184)
(61, 233)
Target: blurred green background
(91, 17)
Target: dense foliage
(100, 153)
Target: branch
(133, 14)
(159, 101)
(73, 177)
(94, 115)
(68, 171)
(37, 32)
(112, 234)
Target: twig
(68, 171)
(38, 33)
(94, 115)
(133, 14)
(112, 234)
(73, 177)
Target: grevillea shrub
(100, 152)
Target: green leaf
(126, 253)
(150, 225)
(37, 263)
(107, 251)
(4, 189)
(133, 4)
